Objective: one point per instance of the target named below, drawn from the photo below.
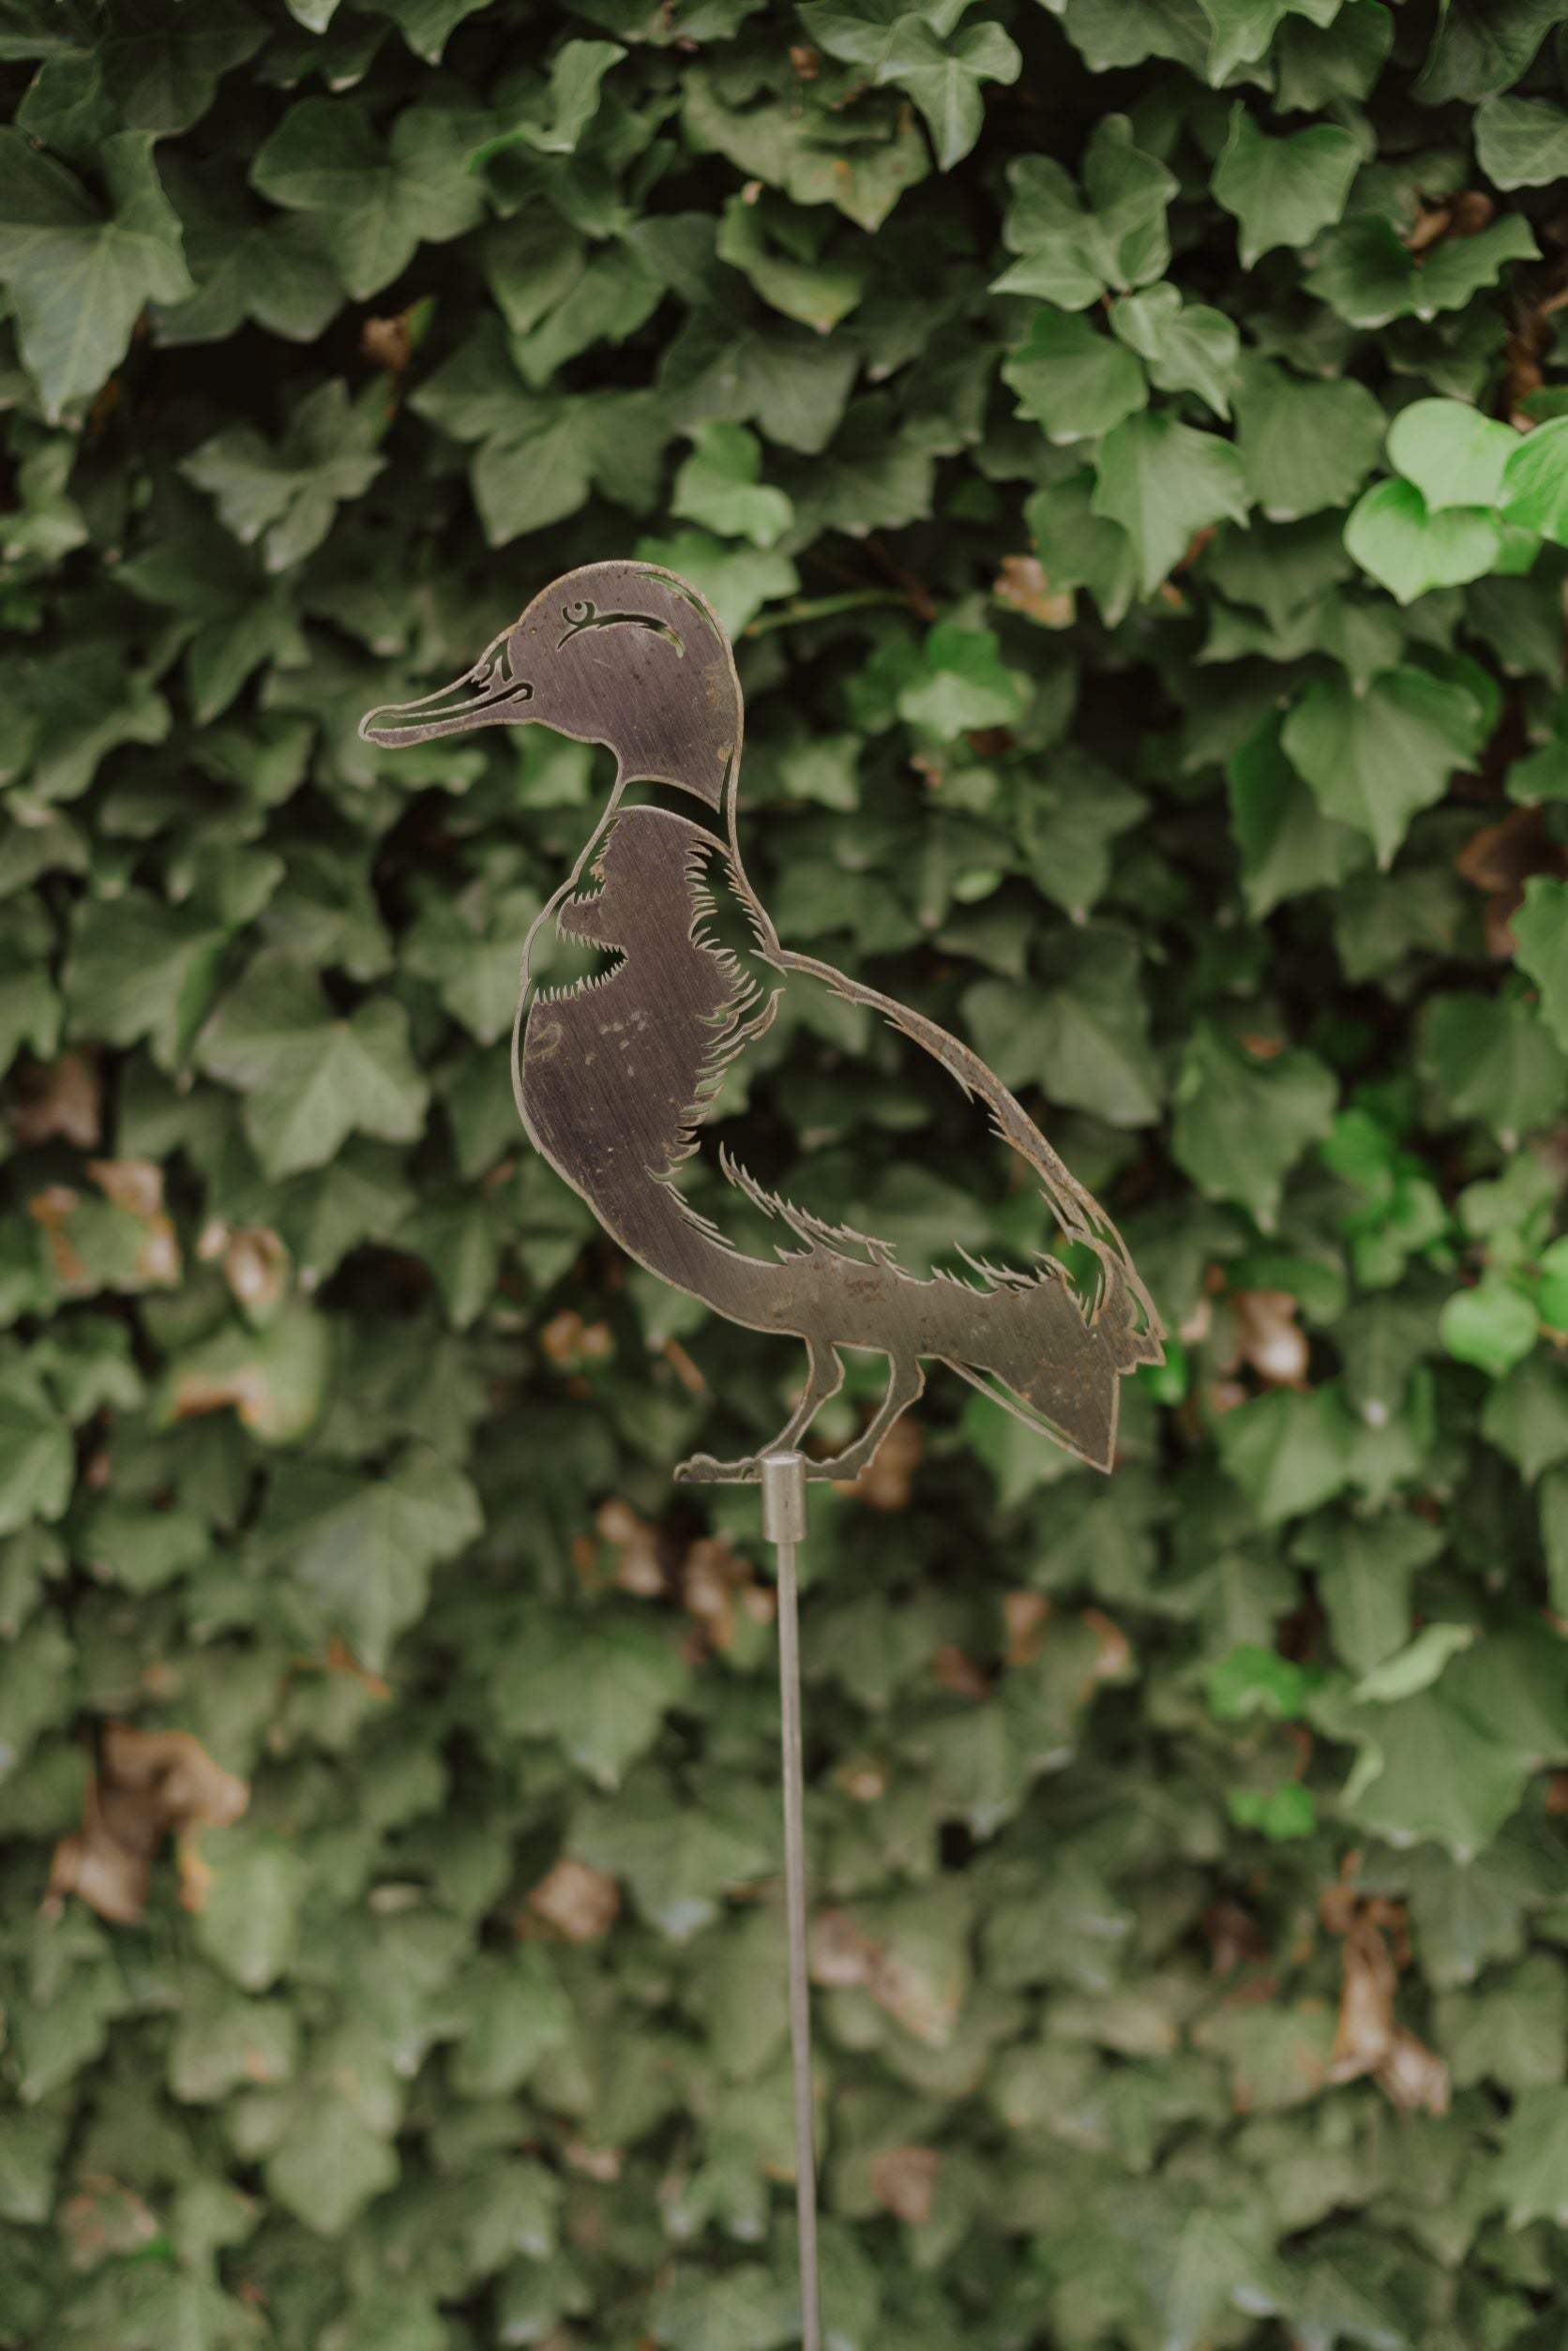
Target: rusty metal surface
(615, 1074)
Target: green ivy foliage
(1127, 439)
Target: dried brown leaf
(842, 1955)
(904, 2179)
(386, 342)
(886, 1483)
(1026, 1615)
(53, 1208)
(105, 2221)
(958, 1673)
(256, 1268)
(1265, 1334)
(640, 1567)
(1498, 860)
(149, 1783)
(577, 1901)
(59, 1101)
(1413, 2076)
(1024, 586)
(715, 1580)
(1369, 2038)
(1235, 1938)
(569, 1342)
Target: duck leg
(905, 1383)
(825, 1377)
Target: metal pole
(783, 1484)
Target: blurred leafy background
(1127, 439)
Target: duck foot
(702, 1469)
(905, 1383)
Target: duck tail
(1082, 1419)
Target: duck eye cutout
(584, 616)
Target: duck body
(616, 1075)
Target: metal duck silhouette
(615, 1074)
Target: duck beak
(485, 696)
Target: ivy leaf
(1368, 276)
(923, 52)
(1495, 1061)
(381, 200)
(1241, 31)
(1287, 845)
(310, 1079)
(720, 485)
(141, 969)
(276, 1378)
(1111, 33)
(867, 32)
(1534, 489)
(1526, 1415)
(944, 78)
(1516, 2034)
(514, 2013)
(792, 147)
(1185, 347)
(1521, 142)
(1483, 45)
(818, 293)
(164, 64)
(288, 496)
(427, 25)
(255, 1897)
(1162, 482)
(1200, 2261)
(962, 682)
(679, 1858)
(335, 2152)
(1374, 759)
(1409, 550)
(1303, 446)
(1493, 1326)
(601, 1693)
(1430, 1772)
(1241, 1124)
(1086, 1042)
(748, 2309)
(1454, 455)
(1071, 380)
(1070, 251)
(37, 1457)
(1069, 829)
(1363, 1570)
(565, 105)
(1283, 190)
(1416, 1666)
(1315, 64)
(363, 1547)
(468, 950)
(80, 278)
(273, 269)
(1541, 947)
(541, 467)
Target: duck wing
(804, 1026)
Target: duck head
(620, 654)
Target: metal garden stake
(616, 1075)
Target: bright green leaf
(1283, 190)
